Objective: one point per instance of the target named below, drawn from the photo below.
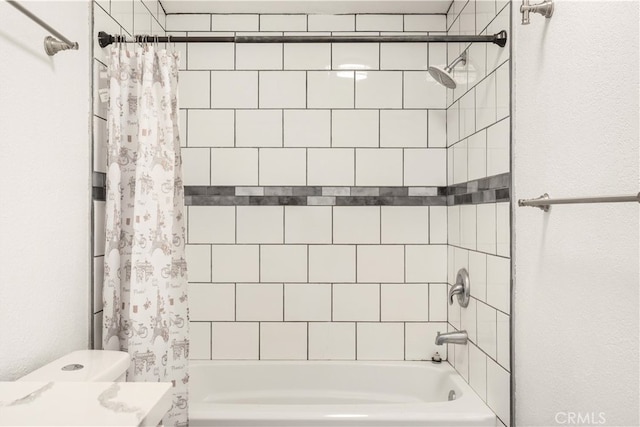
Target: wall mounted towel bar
(543, 202)
(51, 44)
(500, 39)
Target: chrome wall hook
(545, 9)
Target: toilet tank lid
(83, 365)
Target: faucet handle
(462, 288)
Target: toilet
(85, 366)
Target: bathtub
(309, 393)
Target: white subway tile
(260, 224)
(437, 129)
(209, 302)
(461, 260)
(199, 261)
(102, 21)
(283, 263)
(476, 64)
(503, 91)
(329, 263)
(477, 156)
(356, 224)
(212, 224)
(503, 340)
(122, 12)
(200, 341)
(307, 128)
(453, 124)
(380, 341)
(478, 274)
(420, 340)
(453, 224)
(194, 89)
(308, 302)
(234, 166)
(187, 22)
(331, 166)
(259, 128)
(332, 341)
(425, 167)
(403, 128)
(330, 89)
(438, 54)
(380, 264)
(210, 56)
(468, 319)
(461, 361)
(426, 263)
(486, 328)
(332, 22)
(259, 56)
(503, 229)
(235, 22)
(379, 167)
(404, 302)
(183, 131)
(498, 148)
(450, 179)
(425, 23)
(282, 89)
(235, 340)
(235, 263)
(307, 224)
(98, 283)
(498, 390)
(307, 56)
(405, 224)
(379, 22)
(211, 128)
(100, 87)
(283, 166)
(378, 89)
(486, 102)
(233, 89)
(486, 228)
(355, 56)
(485, 12)
(283, 22)
(403, 56)
(99, 145)
(438, 302)
(498, 283)
(356, 302)
(283, 341)
(467, 114)
(259, 302)
(437, 224)
(468, 226)
(478, 371)
(460, 162)
(422, 91)
(355, 128)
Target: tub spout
(456, 337)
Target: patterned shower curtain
(145, 272)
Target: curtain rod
(543, 202)
(51, 45)
(500, 39)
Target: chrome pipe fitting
(545, 9)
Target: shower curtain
(145, 276)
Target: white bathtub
(311, 393)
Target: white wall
(576, 268)
(45, 188)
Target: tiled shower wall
(313, 173)
(478, 141)
(114, 17)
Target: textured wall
(576, 268)
(44, 220)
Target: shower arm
(462, 58)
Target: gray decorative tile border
(486, 190)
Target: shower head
(444, 76)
